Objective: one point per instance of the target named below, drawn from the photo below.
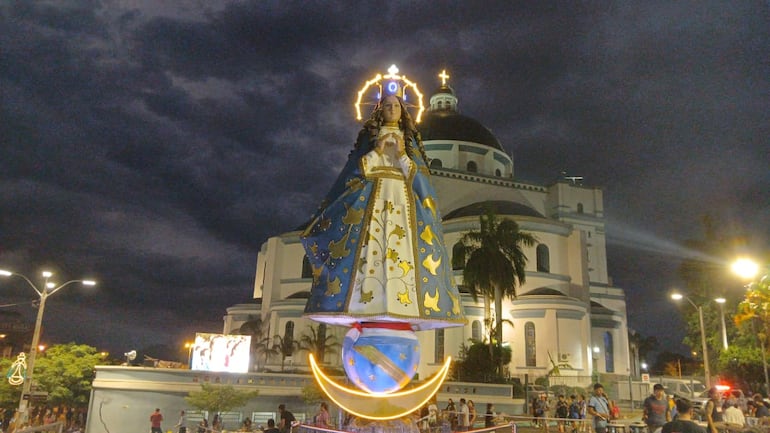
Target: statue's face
(391, 109)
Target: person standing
(155, 419)
(599, 408)
(656, 410)
(562, 413)
(683, 422)
(463, 416)
(542, 410)
(182, 424)
(471, 414)
(490, 417)
(713, 410)
(322, 418)
(287, 418)
(451, 413)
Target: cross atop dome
(444, 76)
(444, 99)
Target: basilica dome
(451, 125)
(442, 121)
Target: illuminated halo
(391, 75)
(379, 406)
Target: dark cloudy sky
(155, 144)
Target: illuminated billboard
(218, 352)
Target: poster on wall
(219, 352)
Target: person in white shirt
(733, 414)
(463, 415)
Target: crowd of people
(569, 411)
(460, 417)
(72, 419)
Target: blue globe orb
(380, 360)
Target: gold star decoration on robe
(332, 287)
(432, 301)
(392, 255)
(429, 203)
(398, 231)
(455, 303)
(367, 296)
(405, 266)
(431, 265)
(338, 249)
(403, 297)
(427, 235)
(353, 216)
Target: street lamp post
(706, 368)
(721, 302)
(48, 289)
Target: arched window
(580, 207)
(472, 167)
(436, 163)
(476, 330)
(455, 252)
(438, 355)
(530, 345)
(543, 258)
(288, 336)
(609, 359)
(307, 270)
(498, 173)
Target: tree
(285, 346)
(9, 394)
(318, 342)
(66, 372)
(218, 398)
(265, 348)
(707, 277)
(254, 327)
(754, 312)
(493, 263)
(475, 365)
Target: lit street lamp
(49, 288)
(706, 368)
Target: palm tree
(265, 347)
(255, 328)
(493, 263)
(318, 342)
(285, 346)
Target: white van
(688, 388)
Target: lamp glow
(745, 268)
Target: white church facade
(567, 312)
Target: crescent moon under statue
(379, 406)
